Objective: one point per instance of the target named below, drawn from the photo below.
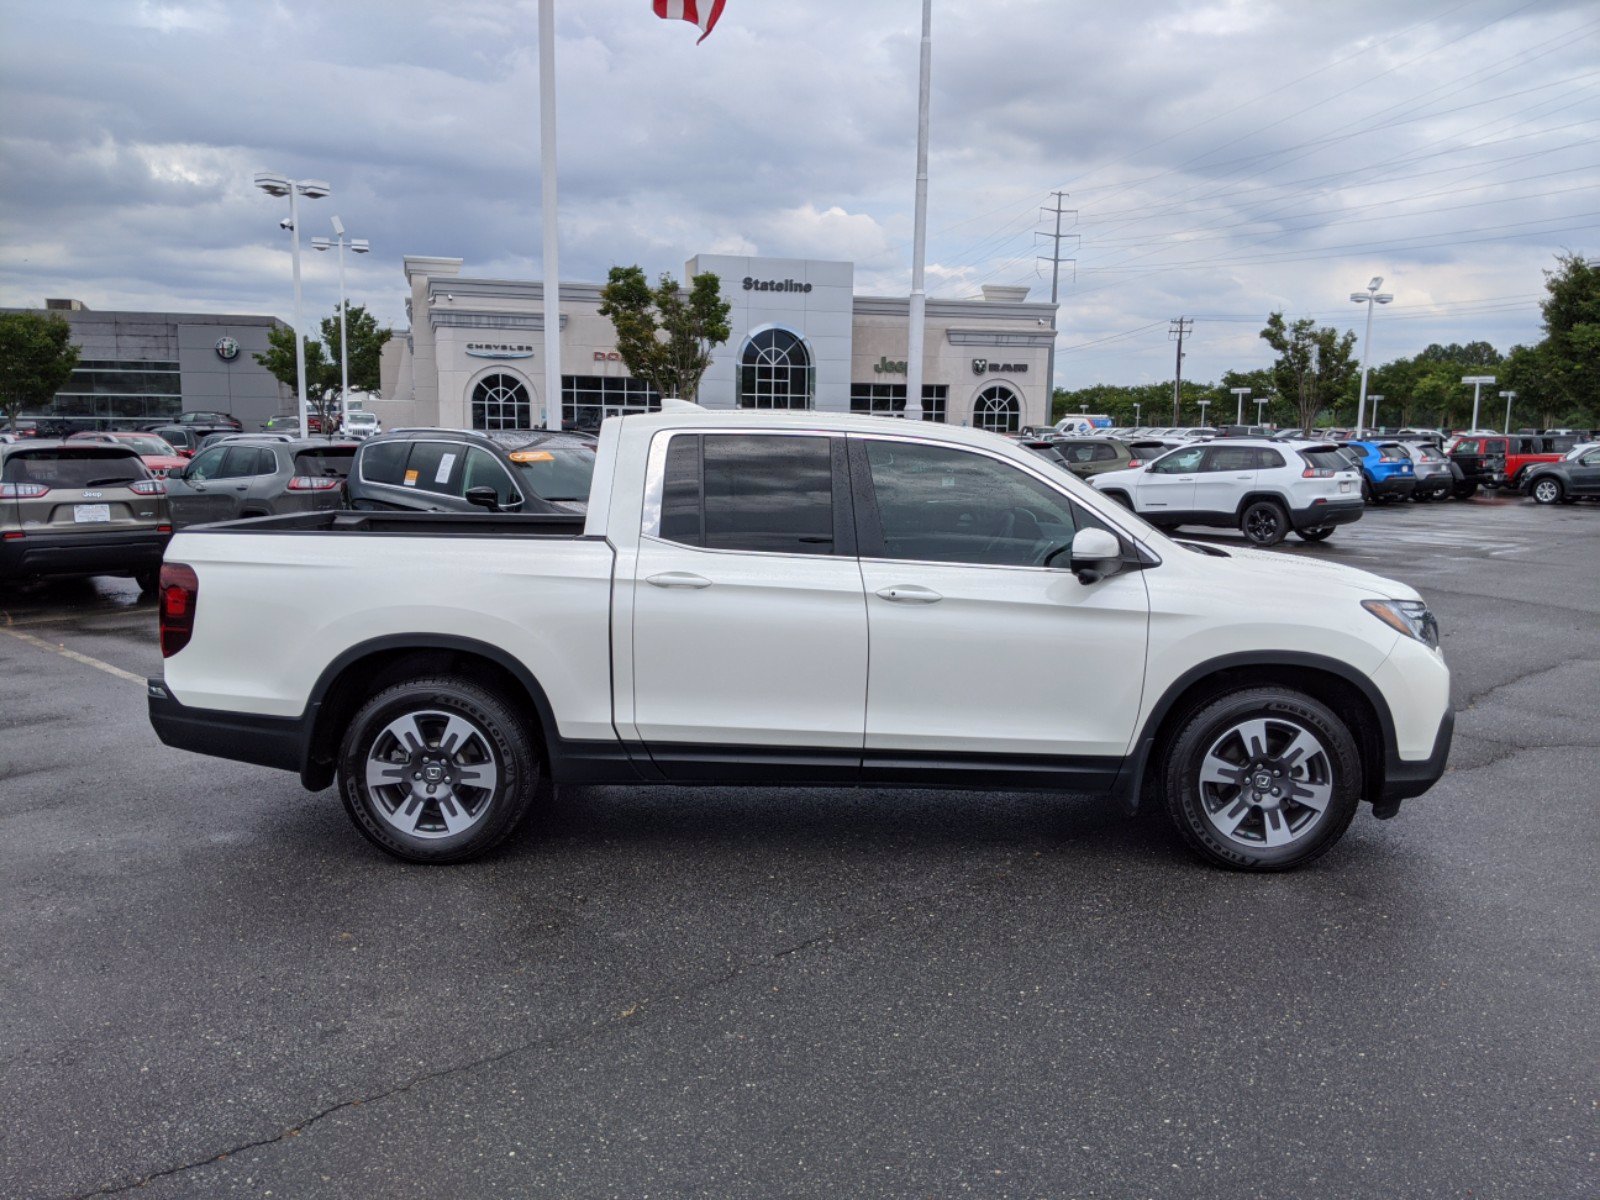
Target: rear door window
(750, 492)
(436, 467)
(90, 466)
(1230, 458)
(384, 462)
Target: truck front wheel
(1262, 779)
(437, 770)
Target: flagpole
(547, 187)
(920, 237)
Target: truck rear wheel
(1263, 779)
(437, 770)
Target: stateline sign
(751, 284)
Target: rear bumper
(1394, 485)
(244, 737)
(1321, 516)
(82, 553)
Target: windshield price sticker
(411, 479)
(446, 461)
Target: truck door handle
(1249, 476)
(910, 593)
(678, 579)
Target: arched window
(997, 409)
(775, 371)
(501, 402)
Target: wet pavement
(214, 987)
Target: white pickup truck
(801, 599)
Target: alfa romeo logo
(227, 349)
(980, 365)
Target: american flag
(703, 13)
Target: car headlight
(1410, 617)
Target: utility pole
(1055, 260)
(1181, 328)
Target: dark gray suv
(245, 477)
(457, 470)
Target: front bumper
(1321, 516)
(1402, 779)
(121, 552)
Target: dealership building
(801, 339)
(138, 367)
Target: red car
(1502, 460)
(156, 452)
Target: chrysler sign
(499, 350)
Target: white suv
(1263, 488)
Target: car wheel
(1466, 491)
(1264, 523)
(437, 770)
(1319, 534)
(148, 581)
(1547, 491)
(1264, 779)
(1366, 492)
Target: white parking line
(85, 659)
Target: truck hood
(1276, 568)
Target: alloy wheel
(1547, 491)
(432, 774)
(1266, 783)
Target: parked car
(181, 439)
(1387, 472)
(80, 508)
(157, 453)
(708, 622)
(1565, 481)
(1435, 478)
(281, 423)
(258, 477)
(200, 422)
(358, 423)
(1264, 489)
(1086, 456)
(456, 470)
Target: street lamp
(1136, 418)
(1238, 418)
(357, 246)
(1203, 404)
(1508, 397)
(1375, 397)
(274, 184)
(1261, 405)
(1477, 382)
(1371, 297)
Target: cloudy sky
(1224, 158)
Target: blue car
(1386, 470)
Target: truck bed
(412, 524)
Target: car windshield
(362, 418)
(71, 467)
(556, 470)
(147, 445)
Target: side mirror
(1096, 553)
(483, 497)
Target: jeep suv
(80, 508)
(1265, 489)
(1387, 472)
(258, 475)
(458, 470)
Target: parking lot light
(357, 246)
(1371, 297)
(274, 184)
(1477, 382)
(1375, 397)
(1508, 397)
(1241, 393)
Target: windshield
(556, 471)
(74, 468)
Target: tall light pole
(1508, 397)
(1241, 393)
(1261, 406)
(1375, 398)
(1477, 382)
(1371, 297)
(357, 246)
(1136, 408)
(1203, 404)
(274, 184)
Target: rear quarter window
(384, 462)
(1392, 454)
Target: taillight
(1317, 473)
(180, 592)
(314, 483)
(148, 487)
(22, 491)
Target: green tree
(323, 378)
(665, 338)
(1314, 364)
(1571, 349)
(36, 359)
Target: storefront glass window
(775, 371)
(998, 409)
(587, 400)
(501, 402)
(889, 399)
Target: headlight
(1410, 617)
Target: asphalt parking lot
(214, 987)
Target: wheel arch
(1337, 684)
(369, 667)
(1252, 497)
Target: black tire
(1201, 811)
(499, 748)
(1320, 534)
(1264, 523)
(1466, 491)
(148, 580)
(1366, 492)
(1547, 489)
